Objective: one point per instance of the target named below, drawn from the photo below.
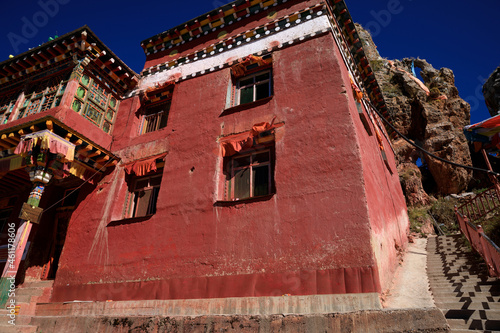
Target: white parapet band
(301, 31)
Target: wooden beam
(18, 62)
(5, 145)
(11, 182)
(9, 70)
(103, 159)
(41, 55)
(33, 128)
(96, 153)
(84, 150)
(68, 136)
(9, 140)
(59, 48)
(77, 142)
(50, 125)
(15, 137)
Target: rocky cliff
(429, 111)
(491, 92)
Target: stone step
(452, 255)
(461, 273)
(29, 291)
(457, 267)
(476, 299)
(461, 286)
(468, 305)
(438, 294)
(7, 328)
(463, 278)
(474, 324)
(23, 299)
(464, 288)
(37, 284)
(471, 314)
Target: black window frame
(235, 166)
(241, 84)
(137, 193)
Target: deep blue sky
(458, 34)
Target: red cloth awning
(233, 144)
(144, 166)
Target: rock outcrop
(430, 113)
(491, 92)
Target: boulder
(429, 111)
(491, 92)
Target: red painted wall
(387, 209)
(314, 236)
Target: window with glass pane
(144, 194)
(155, 118)
(254, 87)
(44, 94)
(248, 175)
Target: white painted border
(264, 43)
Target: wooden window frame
(239, 87)
(232, 167)
(48, 91)
(152, 112)
(96, 95)
(136, 206)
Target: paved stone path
(410, 288)
(469, 299)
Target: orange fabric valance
(144, 166)
(233, 144)
(240, 69)
(163, 89)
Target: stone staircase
(26, 297)
(462, 289)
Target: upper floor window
(95, 102)
(143, 194)
(252, 80)
(7, 103)
(254, 87)
(155, 118)
(43, 95)
(144, 182)
(156, 102)
(249, 175)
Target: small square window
(155, 118)
(253, 87)
(249, 175)
(143, 194)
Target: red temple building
(245, 160)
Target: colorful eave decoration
(207, 23)
(344, 21)
(82, 43)
(243, 38)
